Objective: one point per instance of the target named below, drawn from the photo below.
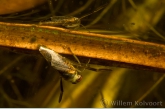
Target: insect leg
(61, 88)
(75, 56)
(86, 65)
(103, 100)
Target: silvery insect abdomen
(68, 72)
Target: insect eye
(79, 79)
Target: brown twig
(125, 52)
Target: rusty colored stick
(132, 53)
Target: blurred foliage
(29, 81)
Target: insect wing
(57, 61)
(60, 63)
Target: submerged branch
(123, 52)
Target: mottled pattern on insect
(65, 21)
(67, 70)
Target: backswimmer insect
(65, 67)
(67, 21)
(64, 21)
(67, 70)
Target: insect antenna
(98, 9)
(62, 90)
